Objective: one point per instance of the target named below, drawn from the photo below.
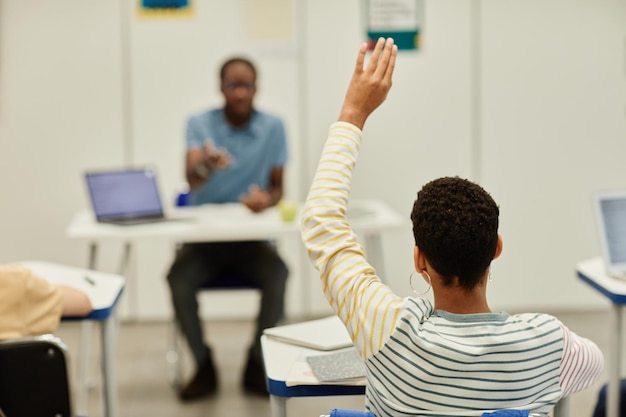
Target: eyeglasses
(250, 87)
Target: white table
(104, 291)
(231, 222)
(593, 272)
(278, 358)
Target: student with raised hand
(456, 356)
(32, 306)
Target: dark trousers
(196, 264)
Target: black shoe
(203, 383)
(254, 380)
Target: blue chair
(225, 283)
(600, 407)
(339, 412)
(561, 409)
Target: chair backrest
(34, 378)
(561, 409)
(340, 412)
(182, 199)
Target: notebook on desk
(610, 213)
(322, 334)
(126, 196)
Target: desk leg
(613, 391)
(278, 406)
(109, 376)
(561, 409)
(131, 284)
(86, 332)
(374, 248)
(85, 346)
(305, 279)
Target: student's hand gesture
(369, 86)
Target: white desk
(593, 272)
(104, 291)
(278, 358)
(231, 222)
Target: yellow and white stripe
(367, 306)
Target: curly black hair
(455, 225)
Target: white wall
(60, 97)
(533, 108)
(554, 131)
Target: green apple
(288, 210)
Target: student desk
(593, 272)
(278, 358)
(104, 291)
(231, 222)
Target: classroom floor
(144, 390)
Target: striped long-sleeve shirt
(425, 361)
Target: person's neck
(459, 301)
(236, 120)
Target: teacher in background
(235, 153)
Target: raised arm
(367, 307)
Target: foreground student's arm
(29, 305)
(581, 365)
(74, 302)
(367, 307)
(369, 86)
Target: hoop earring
(419, 294)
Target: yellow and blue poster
(164, 8)
(403, 20)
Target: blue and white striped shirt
(422, 361)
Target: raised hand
(370, 84)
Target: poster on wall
(164, 8)
(403, 20)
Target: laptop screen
(611, 213)
(124, 194)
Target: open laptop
(125, 196)
(610, 212)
